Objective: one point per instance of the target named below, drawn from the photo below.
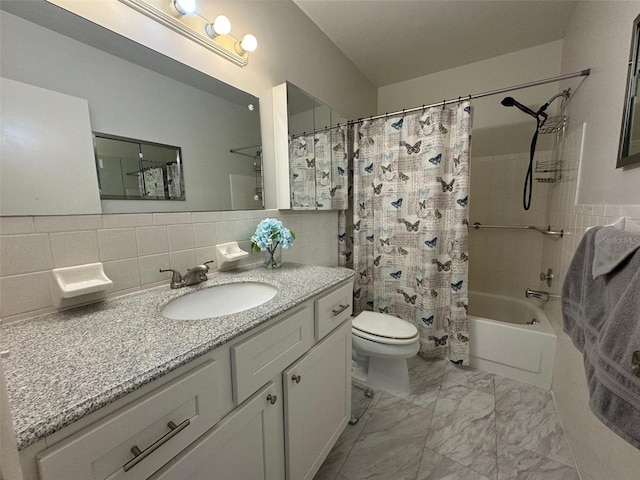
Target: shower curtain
(406, 233)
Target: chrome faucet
(537, 294)
(193, 276)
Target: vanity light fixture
(182, 16)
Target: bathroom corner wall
(598, 37)
(133, 247)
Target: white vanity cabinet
(268, 405)
(317, 403)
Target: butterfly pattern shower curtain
(408, 238)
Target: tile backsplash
(133, 247)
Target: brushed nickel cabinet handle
(272, 399)
(296, 378)
(140, 455)
(340, 310)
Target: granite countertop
(65, 365)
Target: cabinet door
(317, 403)
(247, 444)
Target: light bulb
(183, 7)
(220, 26)
(249, 43)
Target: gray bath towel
(602, 317)
(613, 246)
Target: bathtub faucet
(537, 294)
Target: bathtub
(503, 342)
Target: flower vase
(272, 257)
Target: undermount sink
(220, 300)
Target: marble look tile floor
(456, 423)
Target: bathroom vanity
(116, 391)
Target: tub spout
(537, 294)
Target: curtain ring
(459, 100)
(443, 104)
(469, 97)
(403, 113)
(423, 108)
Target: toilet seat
(384, 328)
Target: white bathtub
(502, 342)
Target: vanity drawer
(333, 308)
(191, 404)
(264, 355)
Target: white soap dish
(81, 280)
(229, 254)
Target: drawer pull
(140, 455)
(272, 399)
(296, 378)
(340, 310)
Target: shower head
(511, 102)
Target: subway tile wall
(133, 247)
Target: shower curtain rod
(581, 73)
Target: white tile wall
(133, 247)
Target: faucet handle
(206, 264)
(176, 278)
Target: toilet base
(390, 374)
(384, 373)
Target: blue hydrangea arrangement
(271, 233)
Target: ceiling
(391, 41)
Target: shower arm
(543, 230)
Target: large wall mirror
(629, 152)
(316, 143)
(135, 92)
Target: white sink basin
(218, 301)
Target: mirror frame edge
(634, 159)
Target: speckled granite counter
(66, 365)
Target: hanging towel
(601, 314)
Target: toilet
(381, 346)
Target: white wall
(599, 36)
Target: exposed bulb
(248, 44)
(183, 7)
(220, 26)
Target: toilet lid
(384, 325)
